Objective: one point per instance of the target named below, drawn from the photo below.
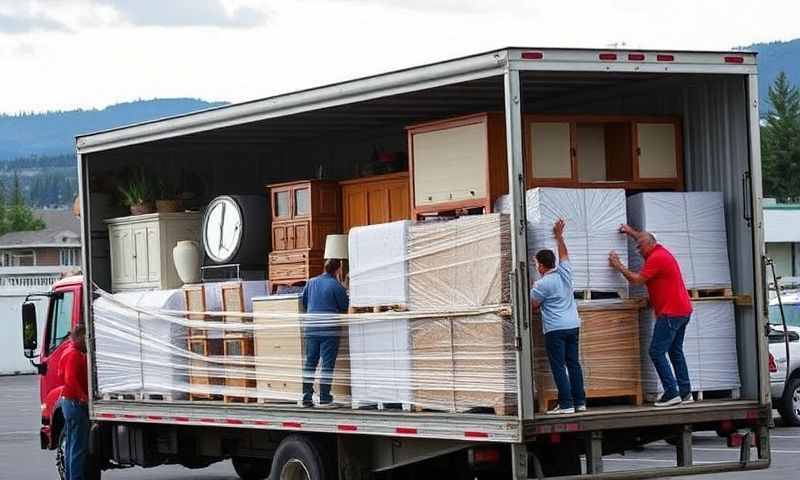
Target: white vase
(187, 258)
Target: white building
(782, 238)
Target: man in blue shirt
(553, 296)
(322, 294)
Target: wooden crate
(280, 355)
(609, 353)
(210, 349)
(464, 363)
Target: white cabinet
(141, 249)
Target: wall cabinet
(373, 200)
(458, 164)
(603, 151)
(141, 249)
(304, 213)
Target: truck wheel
(251, 468)
(298, 458)
(61, 466)
(789, 406)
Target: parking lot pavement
(22, 459)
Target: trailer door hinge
(518, 344)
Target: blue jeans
(667, 339)
(325, 347)
(562, 351)
(76, 424)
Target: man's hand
(627, 230)
(558, 228)
(614, 261)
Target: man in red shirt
(74, 398)
(670, 301)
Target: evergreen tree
(780, 142)
(17, 215)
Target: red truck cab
(64, 312)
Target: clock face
(222, 229)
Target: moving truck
(317, 133)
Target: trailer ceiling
(541, 90)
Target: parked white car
(785, 394)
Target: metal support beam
(744, 448)
(684, 447)
(519, 249)
(594, 453)
(762, 443)
(519, 461)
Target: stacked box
(691, 225)
(592, 217)
(709, 347)
(459, 263)
(378, 266)
(464, 363)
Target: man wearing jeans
(322, 294)
(672, 306)
(74, 398)
(553, 296)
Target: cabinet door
(281, 204)
(280, 240)
(399, 206)
(122, 255)
(301, 202)
(550, 149)
(378, 205)
(141, 257)
(355, 208)
(657, 150)
(301, 232)
(153, 253)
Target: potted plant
(169, 197)
(137, 194)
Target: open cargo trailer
(244, 146)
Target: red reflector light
(476, 434)
(292, 425)
(555, 438)
(181, 419)
(347, 428)
(406, 431)
(233, 421)
(773, 367)
(636, 57)
(665, 58)
(532, 55)
(485, 455)
(154, 417)
(607, 56)
(734, 59)
(208, 420)
(107, 415)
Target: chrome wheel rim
(295, 469)
(60, 465)
(796, 402)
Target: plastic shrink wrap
(593, 217)
(378, 264)
(709, 347)
(691, 225)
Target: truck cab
(64, 312)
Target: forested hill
(53, 133)
(774, 57)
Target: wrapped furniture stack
(691, 225)
(593, 217)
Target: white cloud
(117, 52)
(185, 13)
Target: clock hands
(221, 225)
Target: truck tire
(789, 406)
(299, 458)
(251, 468)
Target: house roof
(62, 229)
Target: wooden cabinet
(141, 249)
(304, 213)
(603, 151)
(458, 164)
(372, 200)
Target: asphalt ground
(22, 459)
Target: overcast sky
(64, 54)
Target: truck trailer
(711, 101)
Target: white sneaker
(662, 402)
(687, 399)
(580, 408)
(327, 405)
(561, 411)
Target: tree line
(780, 142)
(15, 214)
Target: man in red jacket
(672, 306)
(74, 398)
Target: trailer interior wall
(241, 159)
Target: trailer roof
(605, 62)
